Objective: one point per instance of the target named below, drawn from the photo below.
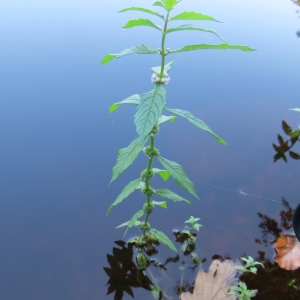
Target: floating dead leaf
(216, 283)
(287, 249)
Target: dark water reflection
(271, 281)
(58, 142)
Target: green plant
(243, 292)
(249, 265)
(149, 116)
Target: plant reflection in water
(272, 282)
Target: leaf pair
(134, 100)
(143, 49)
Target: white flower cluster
(165, 79)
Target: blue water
(59, 143)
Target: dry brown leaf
(287, 249)
(215, 284)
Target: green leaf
(195, 121)
(140, 49)
(137, 223)
(168, 67)
(191, 27)
(198, 226)
(164, 119)
(158, 3)
(170, 195)
(196, 258)
(169, 4)
(161, 204)
(193, 16)
(295, 109)
(141, 22)
(294, 133)
(149, 111)
(120, 151)
(216, 47)
(141, 185)
(133, 220)
(163, 238)
(128, 189)
(133, 100)
(126, 158)
(163, 173)
(178, 173)
(192, 220)
(146, 10)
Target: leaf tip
(107, 58)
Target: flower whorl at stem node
(154, 130)
(151, 152)
(148, 208)
(147, 191)
(155, 78)
(147, 174)
(145, 226)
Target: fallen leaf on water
(216, 283)
(287, 249)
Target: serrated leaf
(133, 100)
(140, 49)
(164, 119)
(191, 27)
(216, 47)
(193, 16)
(195, 121)
(149, 111)
(158, 3)
(142, 9)
(163, 238)
(133, 220)
(137, 223)
(178, 173)
(168, 67)
(141, 22)
(161, 204)
(128, 189)
(169, 4)
(170, 195)
(126, 158)
(163, 173)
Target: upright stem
(152, 137)
(147, 180)
(163, 47)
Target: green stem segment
(163, 47)
(147, 180)
(152, 137)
